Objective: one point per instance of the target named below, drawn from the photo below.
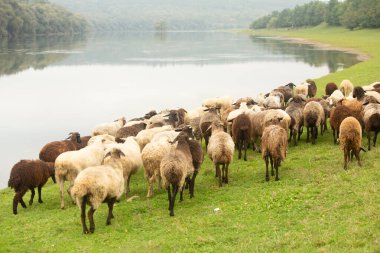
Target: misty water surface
(52, 86)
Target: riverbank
(364, 43)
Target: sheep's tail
(311, 120)
(79, 193)
(173, 176)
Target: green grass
(315, 207)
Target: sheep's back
(28, 173)
(274, 142)
(221, 148)
(350, 133)
(52, 150)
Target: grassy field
(315, 207)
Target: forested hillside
(173, 14)
(30, 17)
(349, 13)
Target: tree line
(30, 17)
(350, 13)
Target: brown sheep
(286, 90)
(175, 167)
(127, 131)
(273, 147)
(84, 141)
(295, 111)
(52, 150)
(29, 174)
(330, 88)
(312, 88)
(350, 139)
(338, 114)
(241, 133)
(371, 121)
(358, 93)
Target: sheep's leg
(181, 192)
(62, 189)
(322, 129)
(358, 157)
(307, 134)
(300, 131)
(192, 183)
(290, 135)
(314, 131)
(83, 214)
(345, 158)
(169, 197)
(31, 196)
(375, 138)
(294, 136)
(175, 191)
(110, 203)
(127, 190)
(271, 165)
(240, 144)
(226, 175)
(219, 175)
(266, 166)
(18, 198)
(39, 194)
(369, 139)
(90, 215)
(245, 148)
(276, 164)
(333, 130)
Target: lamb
(312, 88)
(330, 88)
(277, 94)
(206, 121)
(109, 128)
(313, 115)
(346, 87)
(295, 111)
(326, 110)
(104, 138)
(302, 89)
(152, 155)
(164, 118)
(220, 150)
(29, 174)
(99, 184)
(131, 161)
(52, 150)
(145, 136)
(371, 121)
(350, 139)
(175, 167)
(69, 164)
(127, 131)
(273, 147)
(241, 133)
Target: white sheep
(145, 136)
(272, 102)
(346, 87)
(334, 98)
(152, 155)
(259, 99)
(69, 164)
(104, 138)
(165, 135)
(99, 184)
(220, 150)
(109, 128)
(301, 89)
(131, 161)
(219, 102)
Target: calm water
(52, 86)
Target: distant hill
(173, 14)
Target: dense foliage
(350, 13)
(113, 15)
(30, 17)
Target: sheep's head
(51, 171)
(121, 120)
(291, 85)
(185, 130)
(370, 100)
(150, 114)
(74, 136)
(114, 153)
(216, 125)
(358, 92)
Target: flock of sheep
(168, 144)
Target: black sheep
(29, 174)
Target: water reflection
(37, 53)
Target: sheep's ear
(209, 128)
(121, 153)
(280, 118)
(178, 129)
(107, 155)
(206, 110)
